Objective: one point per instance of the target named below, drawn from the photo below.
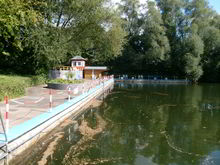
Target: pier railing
(148, 77)
(53, 106)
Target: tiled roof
(78, 58)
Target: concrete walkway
(30, 116)
(36, 102)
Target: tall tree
(46, 35)
(130, 12)
(17, 17)
(193, 50)
(155, 42)
(175, 22)
(131, 59)
(205, 18)
(90, 28)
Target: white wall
(53, 74)
(82, 63)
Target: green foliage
(16, 16)
(70, 75)
(194, 45)
(129, 10)
(156, 43)
(62, 81)
(192, 68)
(211, 57)
(194, 48)
(173, 38)
(87, 28)
(14, 86)
(164, 39)
(39, 79)
(43, 34)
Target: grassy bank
(14, 85)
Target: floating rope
(172, 145)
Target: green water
(153, 125)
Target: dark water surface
(151, 125)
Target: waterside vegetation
(166, 37)
(14, 85)
(62, 81)
(171, 38)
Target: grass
(62, 81)
(14, 85)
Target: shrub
(62, 81)
(14, 85)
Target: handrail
(69, 68)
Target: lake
(145, 125)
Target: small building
(78, 62)
(93, 72)
(78, 70)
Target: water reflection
(150, 125)
(161, 125)
(212, 158)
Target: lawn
(14, 85)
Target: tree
(91, 28)
(46, 33)
(211, 56)
(15, 16)
(175, 22)
(156, 44)
(130, 13)
(131, 59)
(194, 48)
(205, 19)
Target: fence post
(51, 100)
(6, 115)
(6, 138)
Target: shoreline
(24, 135)
(146, 81)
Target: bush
(70, 75)
(62, 81)
(14, 86)
(40, 79)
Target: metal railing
(148, 77)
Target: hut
(93, 72)
(79, 69)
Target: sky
(215, 4)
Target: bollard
(6, 114)
(68, 94)
(51, 100)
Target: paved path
(29, 115)
(35, 103)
